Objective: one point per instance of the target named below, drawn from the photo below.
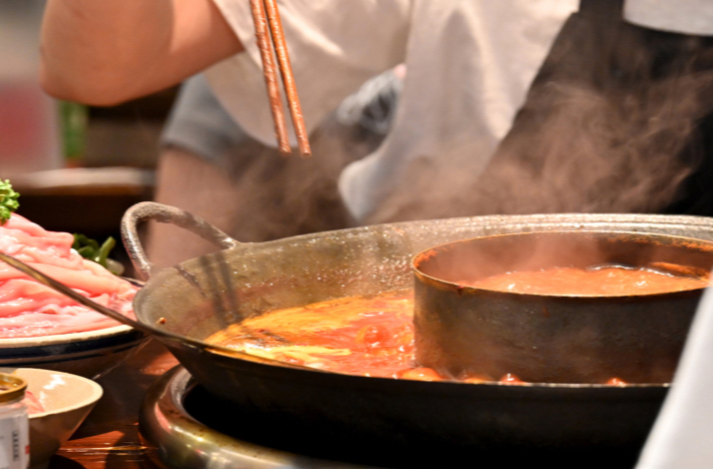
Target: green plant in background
(73, 119)
(8, 201)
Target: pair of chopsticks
(268, 29)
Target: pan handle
(145, 211)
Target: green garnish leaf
(89, 249)
(8, 201)
(103, 253)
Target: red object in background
(21, 121)
(28, 129)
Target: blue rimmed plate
(89, 354)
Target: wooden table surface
(109, 438)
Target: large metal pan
(416, 423)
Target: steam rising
(610, 125)
(289, 196)
(614, 130)
(599, 151)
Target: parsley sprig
(8, 201)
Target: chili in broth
(374, 336)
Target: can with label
(14, 423)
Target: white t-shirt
(680, 16)
(469, 66)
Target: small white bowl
(88, 354)
(67, 399)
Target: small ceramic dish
(66, 400)
(88, 354)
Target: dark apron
(618, 119)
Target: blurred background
(76, 167)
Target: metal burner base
(190, 428)
(181, 441)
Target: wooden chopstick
(268, 29)
(283, 60)
(264, 44)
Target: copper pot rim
(701, 245)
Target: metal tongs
(268, 29)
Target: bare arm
(104, 52)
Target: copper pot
(554, 338)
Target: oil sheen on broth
(373, 336)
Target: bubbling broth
(368, 336)
(599, 280)
(374, 336)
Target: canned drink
(14, 423)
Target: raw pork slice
(30, 309)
